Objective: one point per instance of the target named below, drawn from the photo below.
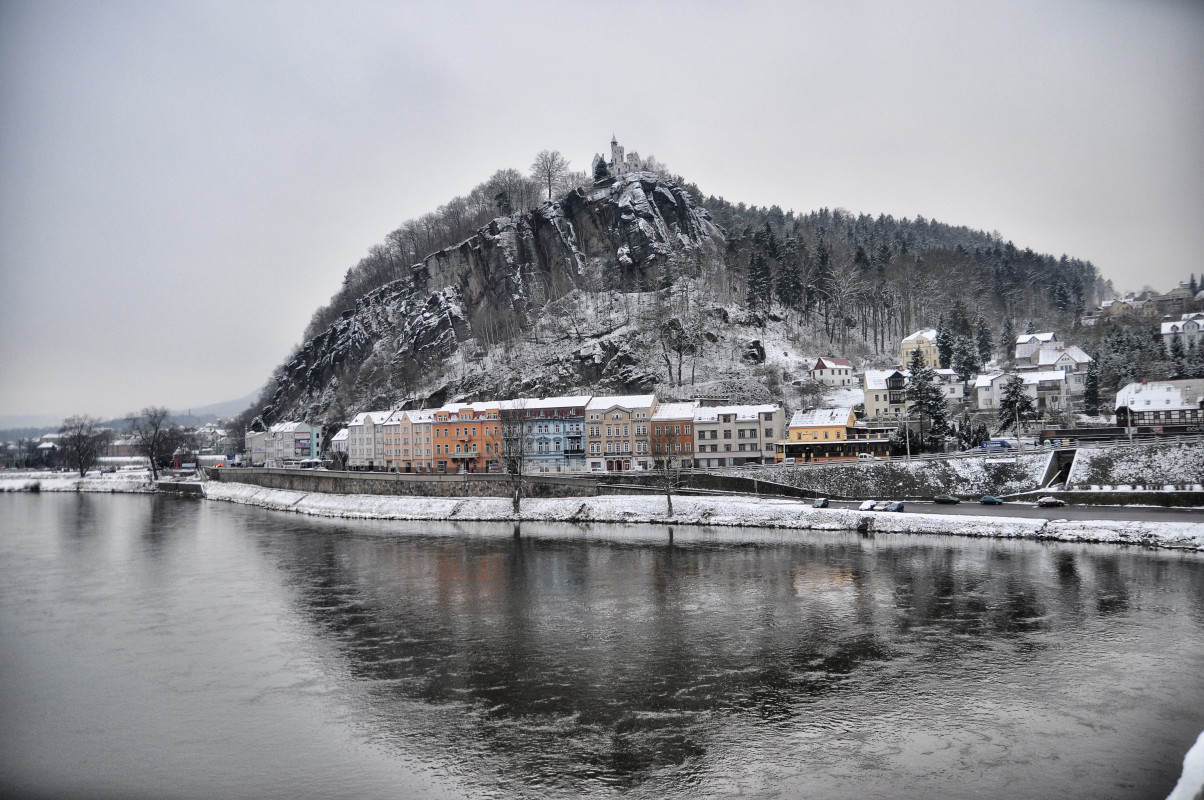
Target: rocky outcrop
(619, 233)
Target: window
(769, 433)
(727, 433)
(688, 431)
(741, 447)
(727, 448)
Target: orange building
(672, 434)
(467, 437)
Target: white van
(789, 462)
(866, 457)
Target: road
(1083, 512)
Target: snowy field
(706, 511)
(139, 481)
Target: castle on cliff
(619, 163)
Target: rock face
(618, 234)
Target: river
(159, 647)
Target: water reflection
(564, 661)
(581, 664)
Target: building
(885, 393)
(338, 442)
(1029, 343)
(832, 434)
(256, 448)
(288, 442)
(365, 440)
(620, 162)
(833, 372)
(1162, 403)
(553, 432)
(468, 437)
(730, 436)
(616, 432)
(422, 447)
(1049, 390)
(925, 342)
(1056, 355)
(1189, 329)
(672, 434)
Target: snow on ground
(727, 511)
(1191, 781)
(1139, 465)
(71, 482)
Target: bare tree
(515, 430)
(549, 168)
(666, 459)
(149, 429)
(85, 441)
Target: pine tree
(944, 343)
(1193, 286)
(926, 401)
(965, 359)
(760, 282)
(1178, 356)
(1091, 401)
(790, 288)
(983, 337)
(1014, 404)
(1007, 340)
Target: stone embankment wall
(485, 485)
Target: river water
(158, 647)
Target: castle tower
(616, 155)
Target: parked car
(1051, 502)
(945, 499)
(868, 505)
(866, 457)
(988, 500)
(820, 502)
(897, 505)
(883, 505)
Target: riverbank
(726, 511)
(135, 482)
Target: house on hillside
(1029, 343)
(832, 371)
(1050, 390)
(1189, 328)
(925, 342)
(885, 393)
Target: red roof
(829, 362)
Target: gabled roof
(376, 417)
(675, 411)
(1048, 355)
(829, 362)
(876, 378)
(1026, 338)
(1178, 326)
(822, 417)
(1156, 396)
(341, 436)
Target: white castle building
(619, 163)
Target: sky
(183, 184)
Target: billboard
(301, 446)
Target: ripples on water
(167, 648)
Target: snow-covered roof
(675, 411)
(1052, 354)
(876, 378)
(573, 401)
(1025, 338)
(421, 415)
(985, 381)
(629, 401)
(927, 333)
(1042, 376)
(375, 417)
(828, 362)
(341, 436)
(706, 414)
(287, 427)
(822, 417)
(1154, 396)
(1179, 326)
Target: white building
(366, 441)
(833, 372)
(728, 436)
(1189, 328)
(1050, 390)
(1028, 343)
(1161, 403)
(256, 448)
(886, 391)
(1056, 355)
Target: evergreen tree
(1007, 340)
(1178, 356)
(926, 402)
(971, 432)
(1193, 286)
(1014, 404)
(601, 171)
(965, 359)
(1091, 401)
(944, 343)
(760, 282)
(1031, 328)
(790, 288)
(983, 337)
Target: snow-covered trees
(1091, 398)
(926, 402)
(1015, 404)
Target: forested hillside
(638, 282)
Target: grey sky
(182, 184)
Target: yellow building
(925, 342)
(832, 434)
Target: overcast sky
(182, 184)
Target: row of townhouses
(562, 434)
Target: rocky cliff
(462, 304)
